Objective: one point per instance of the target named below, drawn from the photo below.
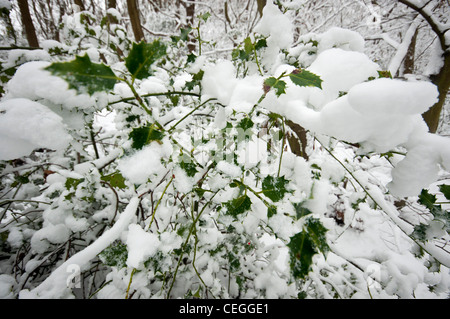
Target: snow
(141, 245)
(55, 285)
(5, 4)
(143, 164)
(31, 81)
(229, 169)
(341, 38)
(276, 26)
(26, 125)
(340, 70)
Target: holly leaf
(302, 77)
(317, 233)
(115, 180)
(115, 255)
(276, 84)
(300, 210)
(445, 189)
(238, 205)
(301, 252)
(83, 75)
(274, 187)
(142, 136)
(142, 56)
(427, 199)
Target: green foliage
(277, 84)
(142, 56)
(440, 217)
(275, 187)
(445, 189)
(115, 180)
(302, 77)
(84, 76)
(304, 245)
(142, 136)
(238, 206)
(301, 252)
(115, 255)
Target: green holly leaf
(275, 83)
(302, 77)
(274, 187)
(189, 167)
(142, 56)
(238, 205)
(115, 180)
(271, 210)
(115, 256)
(445, 189)
(73, 182)
(301, 252)
(317, 233)
(248, 45)
(427, 199)
(142, 136)
(84, 76)
(245, 124)
(300, 210)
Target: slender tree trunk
(261, 4)
(442, 81)
(133, 11)
(80, 4)
(27, 23)
(111, 4)
(408, 63)
(190, 14)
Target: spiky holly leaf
(445, 189)
(301, 252)
(300, 210)
(427, 199)
(238, 205)
(115, 180)
(317, 233)
(83, 75)
(302, 77)
(274, 187)
(276, 84)
(142, 56)
(142, 136)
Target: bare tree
(27, 23)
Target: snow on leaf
(274, 187)
(238, 205)
(301, 252)
(84, 76)
(317, 232)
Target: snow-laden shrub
(155, 173)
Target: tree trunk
(442, 81)
(111, 4)
(261, 5)
(27, 23)
(133, 11)
(408, 63)
(190, 13)
(80, 4)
